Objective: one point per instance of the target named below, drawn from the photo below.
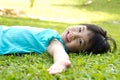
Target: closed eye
(79, 29)
(80, 41)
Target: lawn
(58, 15)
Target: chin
(63, 36)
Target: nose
(74, 35)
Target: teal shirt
(26, 40)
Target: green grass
(58, 15)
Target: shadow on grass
(17, 21)
(10, 21)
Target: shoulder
(54, 44)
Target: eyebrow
(83, 28)
(84, 42)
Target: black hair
(99, 43)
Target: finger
(49, 69)
(67, 63)
(55, 71)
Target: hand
(58, 67)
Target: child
(86, 38)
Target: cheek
(73, 46)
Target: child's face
(77, 38)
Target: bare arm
(61, 58)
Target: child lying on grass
(86, 38)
